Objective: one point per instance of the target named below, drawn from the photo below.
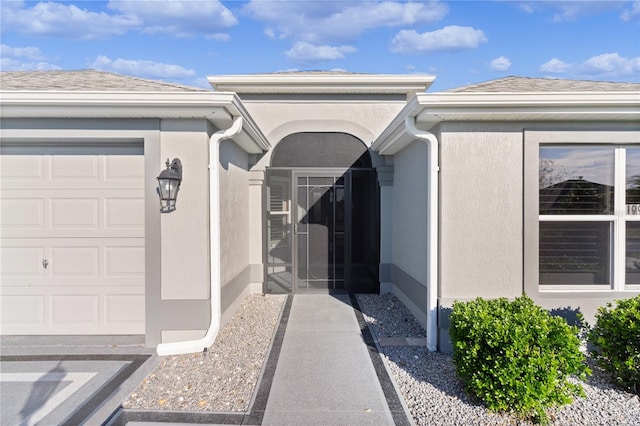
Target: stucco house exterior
(309, 182)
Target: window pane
(633, 253)
(576, 180)
(575, 253)
(633, 177)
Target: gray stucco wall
(186, 235)
(480, 215)
(234, 230)
(409, 228)
(183, 310)
(182, 229)
(480, 211)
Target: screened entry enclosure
(322, 221)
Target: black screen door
(320, 220)
(322, 231)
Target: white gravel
(434, 395)
(224, 377)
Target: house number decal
(633, 209)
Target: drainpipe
(432, 229)
(199, 345)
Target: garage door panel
(129, 167)
(26, 310)
(70, 309)
(75, 213)
(16, 168)
(83, 217)
(75, 262)
(22, 262)
(100, 185)
(88, 310)
(124, 308)
(74, 167)
(124, 213)
(71, 171)
(72, 213)
(124, 261)
(22, 213)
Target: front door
(320, 221)
(322, 231)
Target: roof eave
(312, 83)
(431, 109)
(220, 108)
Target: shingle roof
(85, 80)
(526, 84)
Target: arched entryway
(322, 216)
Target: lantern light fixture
(168, 185)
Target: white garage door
(72, 239)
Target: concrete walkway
(324, 374)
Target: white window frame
(534, 141)
(618, 219)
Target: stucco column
(385, 180)
(256, 231)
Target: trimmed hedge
(515, 356)
(616, 336)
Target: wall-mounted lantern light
(169, 183)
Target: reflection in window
(633, 176)
(575, 253)
(576, 181)
(633, 253)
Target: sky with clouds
(460, 42)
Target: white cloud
(23, 59)
(177, 18)
(219, 37)
(631, 14)
(32, 53)
(500, 64)
(571, 10)
(307, 53)
(140, 68)
(64, 21)
(606, 65)
(10, 64)
(555, 65)
(452, 37)
(323, 22)
(612, 64)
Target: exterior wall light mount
(168, 185)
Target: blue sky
(460, 42)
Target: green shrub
(616, 336)
(515, 356)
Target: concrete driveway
(69, 379)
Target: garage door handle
(45, 263)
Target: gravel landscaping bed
(434, 395)
(224, 377)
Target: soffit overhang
(322, 83)
(217, 107)
(429, 110)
